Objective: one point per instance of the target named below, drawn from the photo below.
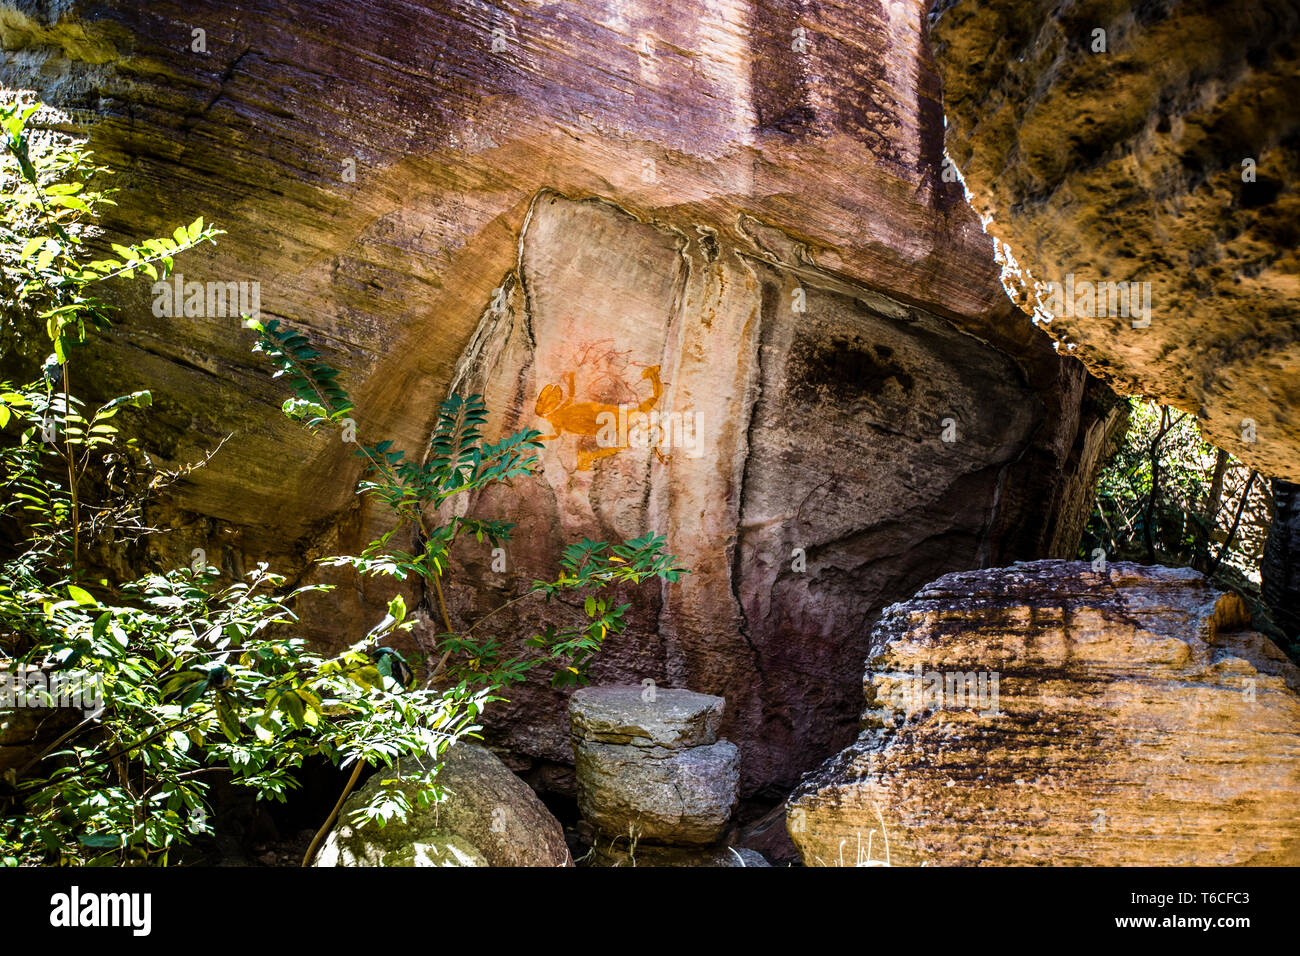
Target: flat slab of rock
(1134, 720)
(489, 818)
(626, 714)
(680, 797)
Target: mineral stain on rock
(843, 371)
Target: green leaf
(141, 399)
(227, 718)
(70, 202)
(32, 244)
(82, 596)
(292, 704)
(64, 189)
(100, 839)
(48, 252)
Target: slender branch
(1154, 458)
(166, 729)
(72, 477)
(501, 607)
(186, 775)
(1236, 520)
(381, 467)
(1101, 513)
(329, 822)
(442, 606)
(57, 744)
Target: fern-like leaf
(319, 396)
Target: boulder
(400, 848)
(1050, 713)
(488, 818)
(649, 764)
(661, 796)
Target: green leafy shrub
(185, 676)
(1166, 496)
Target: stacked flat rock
(650, 765)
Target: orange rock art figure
(592, 419)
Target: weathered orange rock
(1169, 158)
(1049, 713)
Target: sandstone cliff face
(1171, 159)
(1112, 718)
(544, 203)
(803, 474)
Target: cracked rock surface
(678, 797)
(645, 717)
